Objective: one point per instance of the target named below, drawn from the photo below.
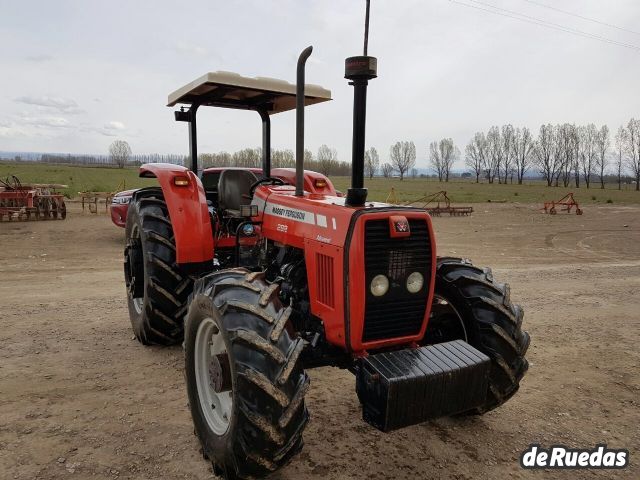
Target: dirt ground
(80, 398)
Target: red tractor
(262, 278)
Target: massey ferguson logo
(402, 226)
(561, 457)
(399, 226)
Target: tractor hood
(293, 220)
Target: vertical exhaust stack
(302, 60)
(266, 143)
(359, 70)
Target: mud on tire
(157, 290)
(492, 324)
(268, 414)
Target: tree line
(102, 160)
(563, 154)
(324, 161)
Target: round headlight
(415, 281)
(379, 285)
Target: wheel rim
(442, 312)
(134, 271)
(215, 391)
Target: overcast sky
(77, 75)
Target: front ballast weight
(447, 378)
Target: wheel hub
(134, 269)
(212, 364)
(220, 373)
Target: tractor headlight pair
(380, 284)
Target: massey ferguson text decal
(289, 213)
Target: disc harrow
(20, 201)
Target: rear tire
(263, 372)
(157, 291)
(469, 305)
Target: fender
(188, 212)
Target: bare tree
(558, 153)
(565, 151)
(387, 170)
(327, 159)
(371, 161)
(632, 149)
(283, 158)
(450, 153)
(403, 157)
(523, 146)
(494, 154)
(576, 143)
(507, 137)
(545, 153)
(587, 150)
(435, 160)
(476, 154)
(414, 172)
(603, 143)
(308, 157)
(443, 155)
(247, 157)
(621, 141)
(119, 152)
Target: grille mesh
(324, 279)
(398, 313)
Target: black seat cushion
(233, 189)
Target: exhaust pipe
(359, 70)
(302, 60)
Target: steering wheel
(269, 180)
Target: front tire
(470, 305)
(157, 291)
(252, 361)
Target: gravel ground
(80, 398)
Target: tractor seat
(233, 190)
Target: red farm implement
(30, 202)
(439, 203)
(565, 204)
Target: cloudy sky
(77, 75)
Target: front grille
(398, 313)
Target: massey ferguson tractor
(263, 276)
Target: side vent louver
(324, 279)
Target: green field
(78, 179)
(461, 191)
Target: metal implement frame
(438, 198)
(566, 203)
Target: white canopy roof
(231, 90)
